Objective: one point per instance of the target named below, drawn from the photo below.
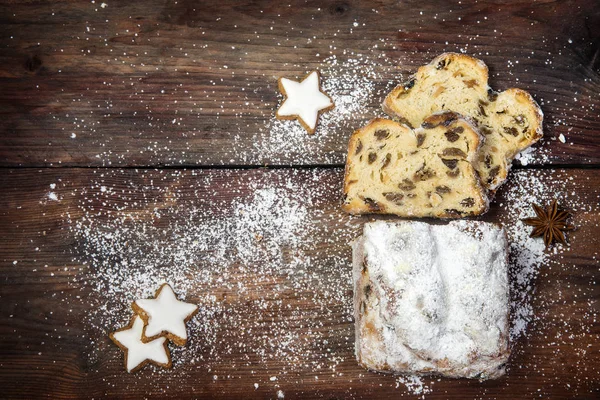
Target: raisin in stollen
(511, 120)
(424, 172)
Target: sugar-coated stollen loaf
(432, 299)
(510, 121)
(424, 172)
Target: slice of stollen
(511, 120)
(424, 172)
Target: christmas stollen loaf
(432, 299)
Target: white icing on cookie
(137, 352)
(304, 100)
(165, 315)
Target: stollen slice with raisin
(423, 172)
(511, 120)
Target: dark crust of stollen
(357, 255)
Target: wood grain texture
(50, 298)
(194, 82)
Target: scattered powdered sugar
(247, 254)
(414, 385)
(531, 155)
(355, 84)
(528, 255)
(243, 245)
(248, 263)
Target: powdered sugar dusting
(529, 255)
(435, 298)
(414, 384)
(243, 245)
(214, 253)
(355, 85)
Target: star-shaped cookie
(137, 352)
(304, 101)
(165, 316)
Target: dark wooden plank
(193, 82)
(265, 254)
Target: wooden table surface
(139, 144)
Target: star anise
(549, 223)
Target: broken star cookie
(137, 352)
(165, 315)
(510, 121)
(423, 172)
(304, 101)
